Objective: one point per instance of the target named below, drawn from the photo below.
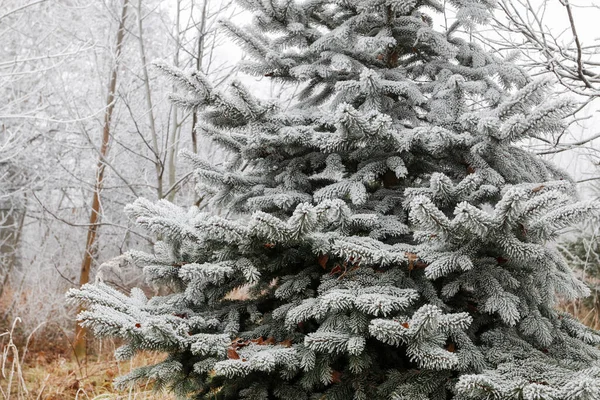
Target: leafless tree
(556, 37)
(552, 40)
(95, 215)
(71, 173)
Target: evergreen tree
(394, 235)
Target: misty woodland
(375, 229)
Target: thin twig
(577, 43)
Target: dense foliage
(393, 234)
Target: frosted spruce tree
(396, 239)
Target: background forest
(87, 127)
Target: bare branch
(13, 11)
(577, 43)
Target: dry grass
(587, 315)
(53, 375)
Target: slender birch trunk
(174, 130)
(199, 57)
(159, 166)
(79, 345)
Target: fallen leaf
(537, 189)
(323, 261)
(270, 340)
(411, 257)
(238, 342)
(232, 354)
(286, 343)
(260, 341)
(405, 325)
(336, 376)
(336, 269)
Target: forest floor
(49, 372)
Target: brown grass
(586, 314)
(53, 375)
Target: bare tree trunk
(199, 56)
(10, 237)
(7, 233)
(174, 136)
(79, 345)
(159, 166)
